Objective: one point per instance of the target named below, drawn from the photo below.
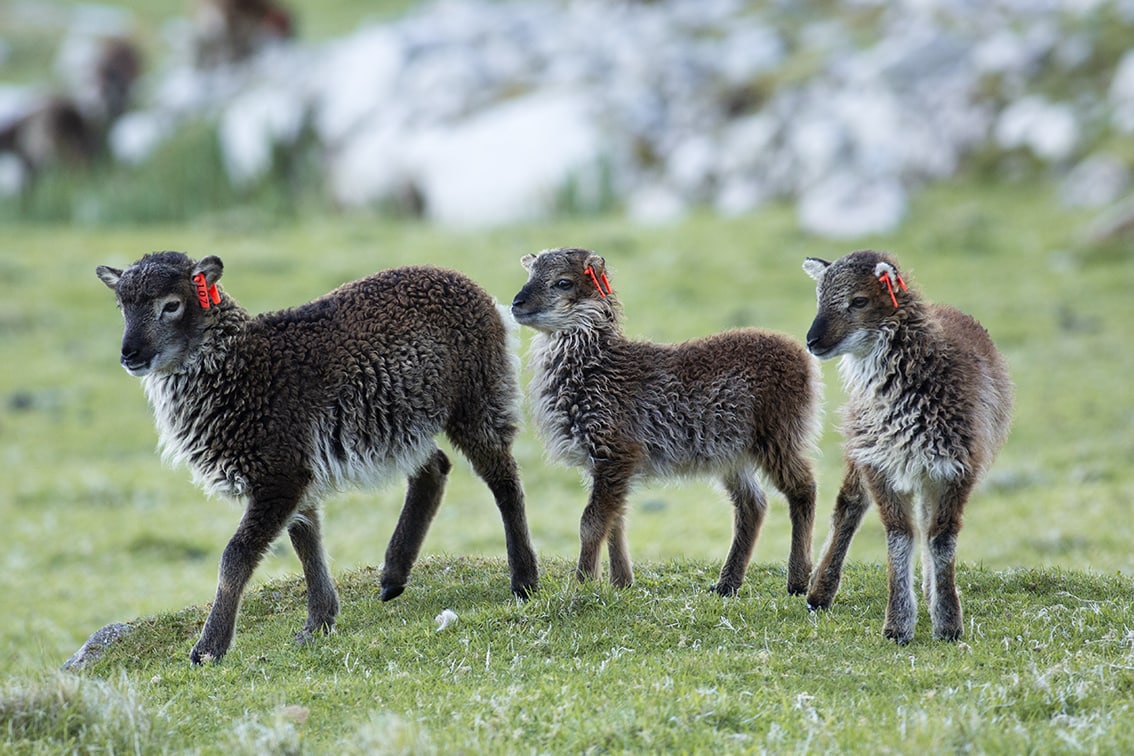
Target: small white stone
(445, 618)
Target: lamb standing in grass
(929, 406)
(727, 405)
(283, 408)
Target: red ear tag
(205, 293)
(590, 271)
(885, 278)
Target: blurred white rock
(13, 175)
(253, 125)
(135, 136)
(1097, 181)
(1049, 130)
(846, 206)
(480, 112)
(654, 204)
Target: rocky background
(469, 112)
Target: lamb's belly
(568, 450)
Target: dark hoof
(524, 592)
(308, 635)
(902, 639)
(199, 657)
(724, 590)
(391, 592)
(816, 604)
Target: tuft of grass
(60, 713)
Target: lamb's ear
(528, 261)
(815, 267)
(109, 276)
(884, 268)
(596, 263)
(212, 267)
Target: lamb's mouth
(137, 368)
(523, 317)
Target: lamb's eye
(564, 284)
(171, 307)
(859, 302)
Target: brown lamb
(728, 405)
(929, 405)
(281, 409)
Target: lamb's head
(165, 299)
(567, 289)
(860, 296)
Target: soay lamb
(929, 405)
(728, 405)
(281, 409)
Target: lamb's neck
(176, 397)
(897, 350)
(226, 323)
(579, 346)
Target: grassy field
(662, 667)
(98, 531)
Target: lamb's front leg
(850, 506)
(269, 509)
(322, 601)
(610, 485)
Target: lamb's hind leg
(322, 601)
(487, 444)
(850, 506)
(618, 549)
(795, 479)
(749, 506)
(944, 523)
(423, 497)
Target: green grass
(664, 666)
(98, 531)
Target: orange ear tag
(590, 271)
(885, 278)
(205, 293)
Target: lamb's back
(688, 406)
(349, 387)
